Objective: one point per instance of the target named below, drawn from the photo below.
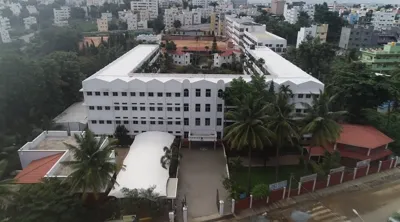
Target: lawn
(266, 175)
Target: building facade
(356, 37)
(102, 25)
(180, 58)
(5, 23)
(217, 23)
(5, 36)
(315, 31)
(29, 21)
(257, 37)
(382, 20)
(150, 6)
(61, 16)
(277, 7)
(292, 11)
(382, 59)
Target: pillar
(299, 189)
(215, 144)
(313, 187)
(341, 178)
(267, 199)
(391, 163)
(369, 151)
(233, 206)
(171, 216)
(379, 166)
(368, 168)
(251, 201)
(221, 207)
(354, 173)
(185, 214)
(328, 180)
(397, 160)
(190, 144)
(284, 192)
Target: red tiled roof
(362, 136)
(315, 150)
(177, 52)
(227, 53)
(37, 169)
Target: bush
(234, 189)
(260, 191)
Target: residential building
(43, 157)
(134, 23)
(292, 11)
(180, 58)
(146, 5)
(277, 7)
(32, 10)
(187, 18)
(238, 3)
(196, 17)
(5, 23)
(107, 15)
(382, 20)
(185, 105)
(202, 3)
(217, 23)
(45, 2)
(102, 25)
(204, 12)
(382, 59)
(61, 16)
(257, 37)
(29, 21)
(15, 8)
(355, 37)
(353, 18)
(357, 143)
(227, 57)
(149, 38)
(5, 36)
(315, 31)
(95, 2)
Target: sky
(341, 1)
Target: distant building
(5, 23)
(237, 3)
(382, 59)
(292, 11)
(149, 38)
(15, 8)
(356, 37)
(202, 3)
(353, 18)
(107, 15)
(187, 18)
(180, 58)
(257, 37)
(61, 16)
(134, 22)
(217, 23)
(315, 31)
(95, 2)
(383, 20)
(102, 25)
(32, 9)
(5, 36)
(150, 6)
(29, 21)
(277, 7)
(226, 57)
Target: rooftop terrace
(265, 36)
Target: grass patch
(266, 175)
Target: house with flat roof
(357, 143)
(383, 59)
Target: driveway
(200, 175)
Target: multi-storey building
(238, 3)
(107, 15)
(186, 18)
(204, 12)
(186, 105)
(32, 9)
(180, 58)
(315, 31)
(292, 11)
(102, 25)
(62, 15)
(151, 6)
(202, 3)
(382, 20)
(226, 57)
(29, 21)
(382, 59)
(95, 2)
(277, 7)
(257, 37)
(235, 28)
(5, 36)
(5, 23)
(134, 22)
(217, 23)
(15, 8)
(356, 37)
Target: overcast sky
(341, 1)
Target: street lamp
(358, 215)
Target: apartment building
(227, 57)
(151, 6)
(15, 8)
(5, 23)
(61, 16)
(382, 20)
(292, 11)
(186, 105)
(202, 3)
(95, 2)
(238, 3)
(235, 28)
(180, 58)
(355, 37)
(204, 12)
(102, 25)
(29, 21)
(32, 10)
(107, 15)
(217, 23)
(5, 36)
(383, 59)
(315, 31)
(259, 38)
(187, 18)
(277, 7)
(134, 22)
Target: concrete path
(200, 175)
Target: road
(374, 205)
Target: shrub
(260, 191)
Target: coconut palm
(170, 155)
(185, 48)
(6, 190)
(248, 130)
(320, 121)
(285, 89)
(92, 168)
(281, 122)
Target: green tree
(329, 161)
(6, 189)
(170, 155)
(77, 13)
(248, 130)
(90, 156)
(214, 45)
(322, 15)
(121, 133)
(177, 24)
(281, 122)
(303, 20)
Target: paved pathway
(200, 175)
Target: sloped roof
(362, 136)
(37, 169)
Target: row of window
(153, 94)
(207, 108)
(178, 133)
(186, 122)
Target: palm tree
(281, 122)
(6, 191)
(92, 168)
(320, 121)
(170, 155)
(185, 48)
(248, 130)
(285, 89)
